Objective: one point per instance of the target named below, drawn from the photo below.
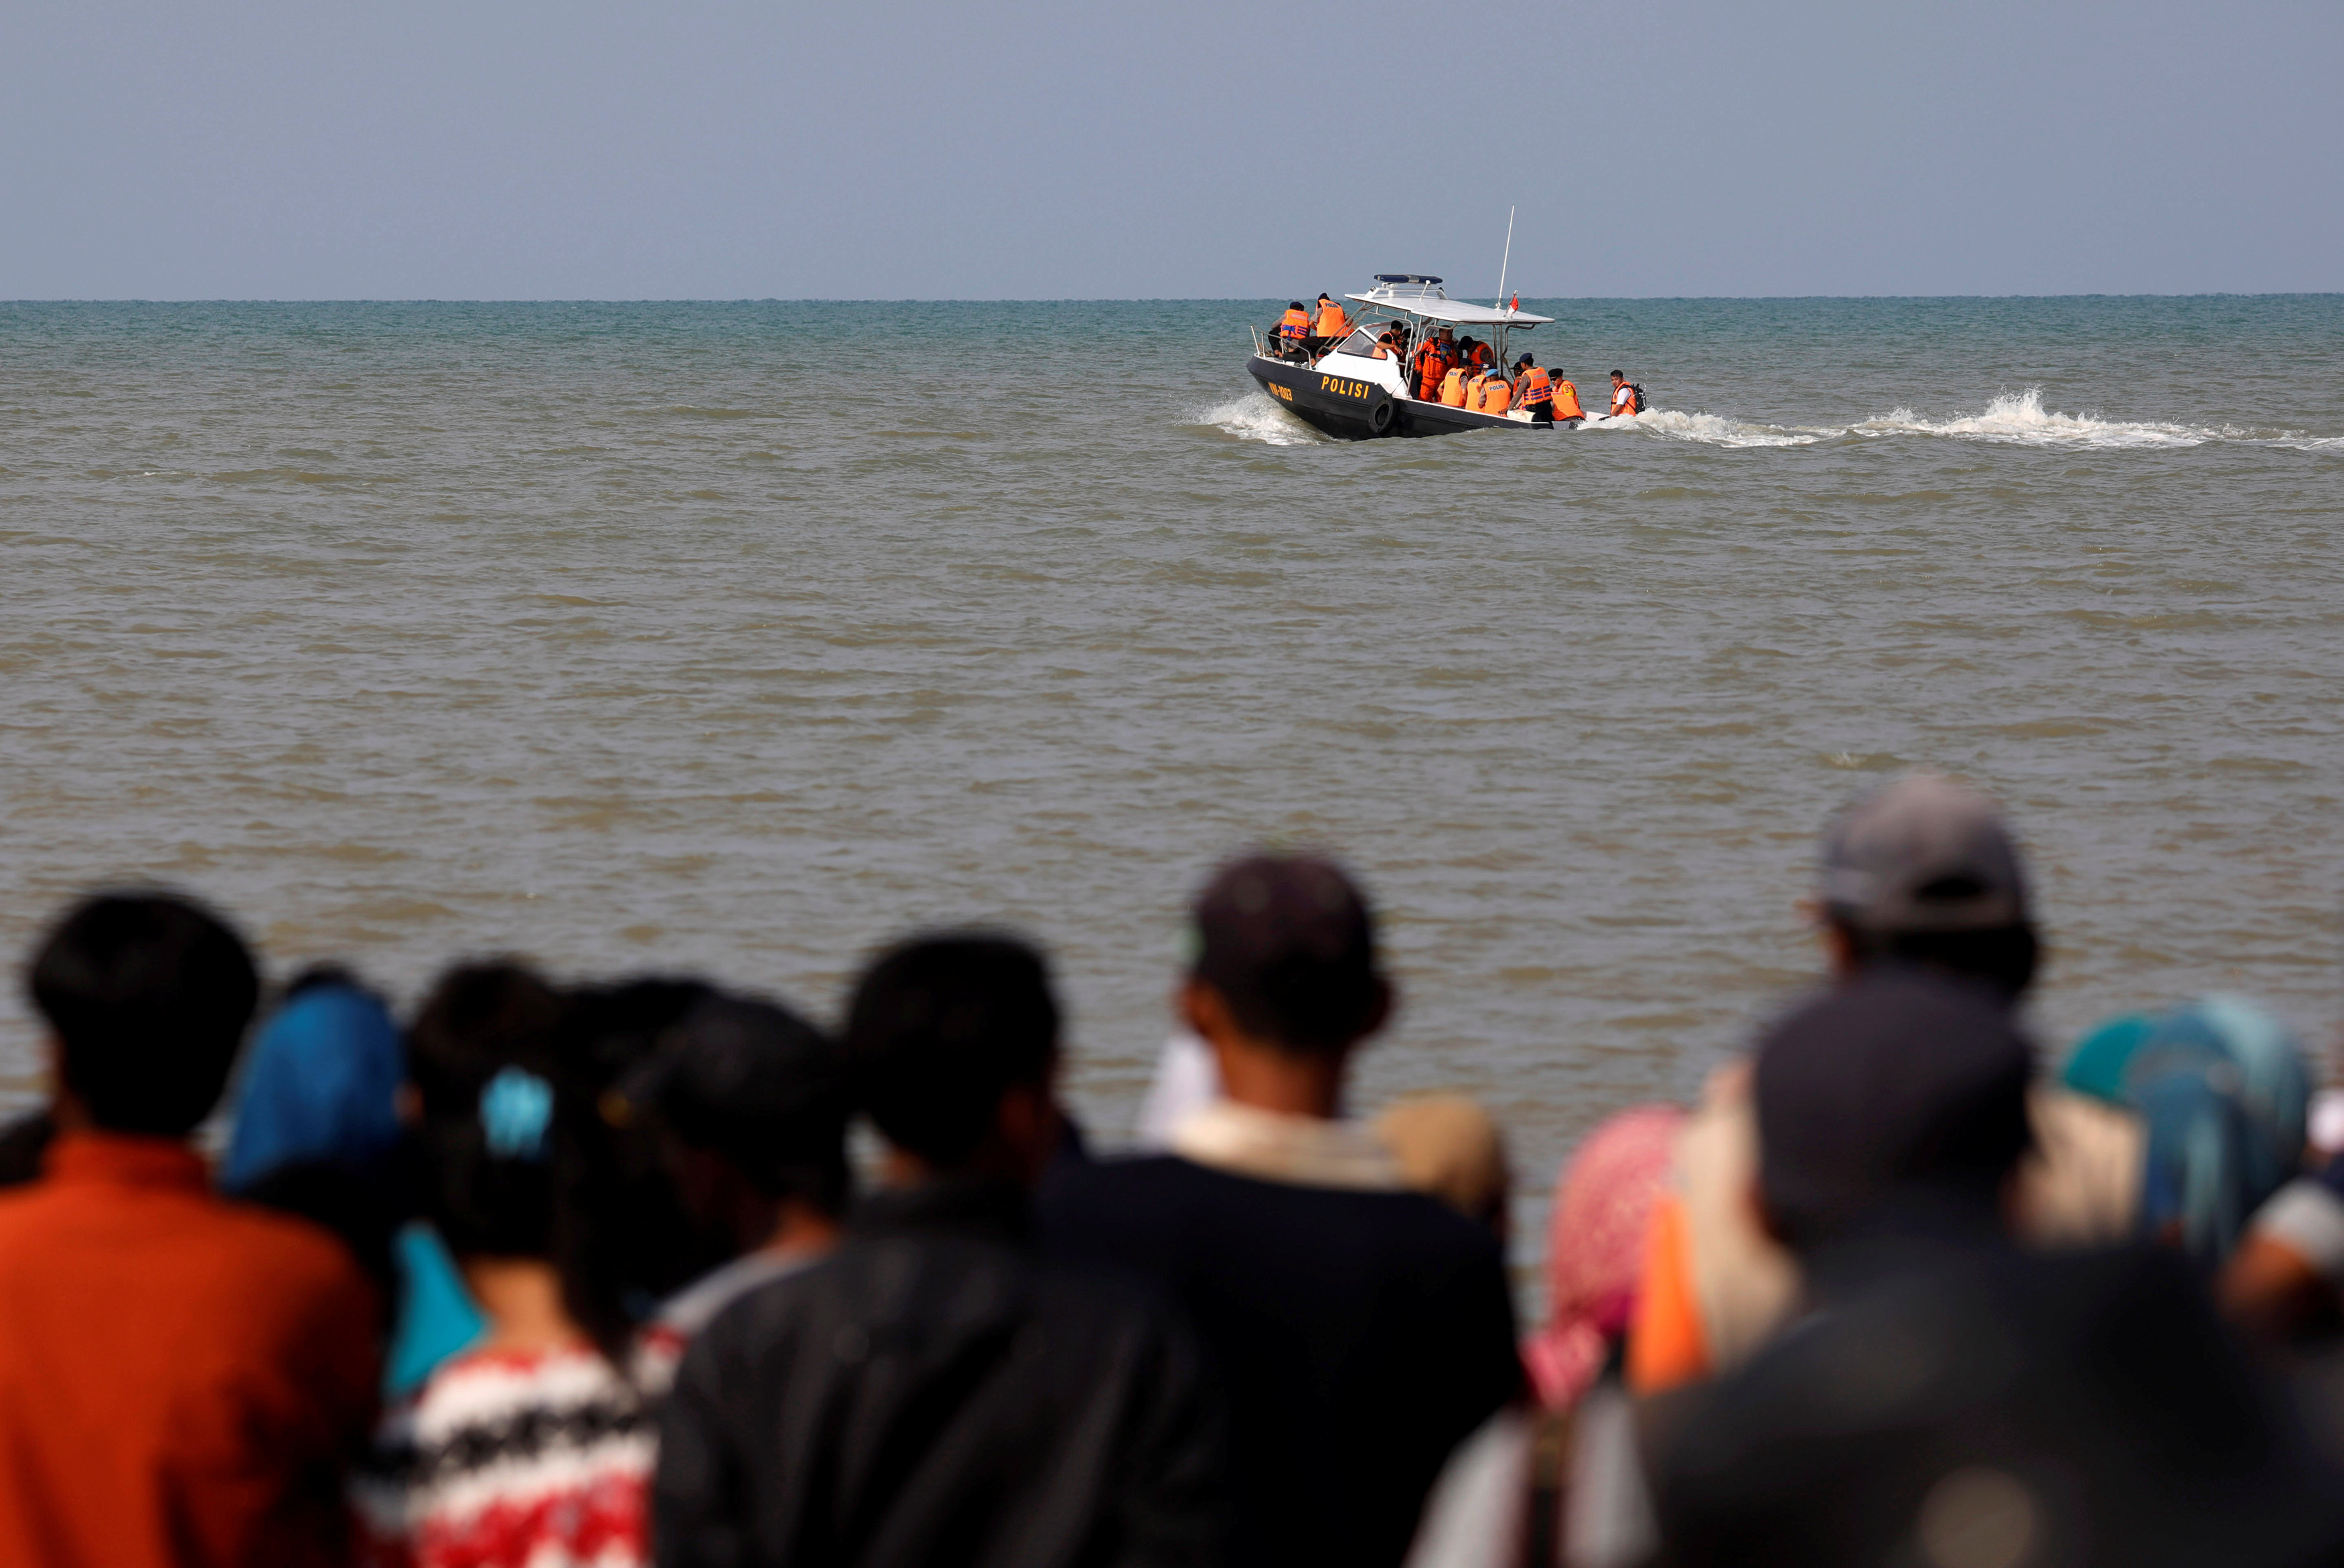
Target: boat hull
(1355, 410)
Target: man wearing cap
(1921, 874)
(1946, 1398)
(1361, 1331)
(749, 1103)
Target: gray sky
(527, 150)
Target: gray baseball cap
(1922, 854)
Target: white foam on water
(2020, 418)
(1710, 430)
(1258, 416)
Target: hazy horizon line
(1103, 299)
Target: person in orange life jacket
(1624, 396)
(1334, 323)
(1393, 344)
(1294, 327)
(1566, 401)
(1434, 360)
(1535, 390)
(1452, 386)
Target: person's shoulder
(289, 1251)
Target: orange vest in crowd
(1496, 393)
(1452, 387)
(1474, 382)
(1332, 322)
(1566, 401)
(1634, 403)
(1295, 325)
(1481, 356)
(1534, 387)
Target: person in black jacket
(1361, 1331)
(932, 1395)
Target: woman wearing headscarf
(2221, 1088)
(318, 1132)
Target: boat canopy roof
(1421, 294)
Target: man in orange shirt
(182, 1379)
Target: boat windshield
(1361, 342)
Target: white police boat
(1358, 389)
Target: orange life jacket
(1481, 356)
(1635, 405)
(1452, 387)
(1566, 401)
(1496, 393)
(1332, 322)
(1475, 380)
(1296, 324)
(1427, 378)
(1535, 389)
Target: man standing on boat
(1536, 395)
(1434, 360)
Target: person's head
(1323, 299)
(1448, 1147)
(623, 1238)
(146, 996)
(1617, 378)
(1923, 870)
(952, 1042)
(749, 1103)
(481, 1053)
(1293, 305)
(320, 1084)
(1595, 1247)
(1524, 362)
(1286, 956)
(1902, 1086)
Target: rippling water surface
(738, 637)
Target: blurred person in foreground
(1558, 1479)
(935, 1392)
(318, 1130)
(748, 1103)
(1361, 1331)
(182, 1379)
(531, 1446)
(1943, 1396)
(1920, 874)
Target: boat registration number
(1276, 390)
(1342, 389)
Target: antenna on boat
(1500, 303)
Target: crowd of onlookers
(569, 1274)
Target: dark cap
(1525, 360)
(1900, 1080)
(1922, 853)
(748, 1080)
(1288, 941)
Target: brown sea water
(738, 638)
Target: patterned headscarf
(2221, 1088)
(1595, 1247)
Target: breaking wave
(1256, 417)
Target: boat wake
(2014, 419)
(1256, 417)
(1710, 430)
(2021, 420)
